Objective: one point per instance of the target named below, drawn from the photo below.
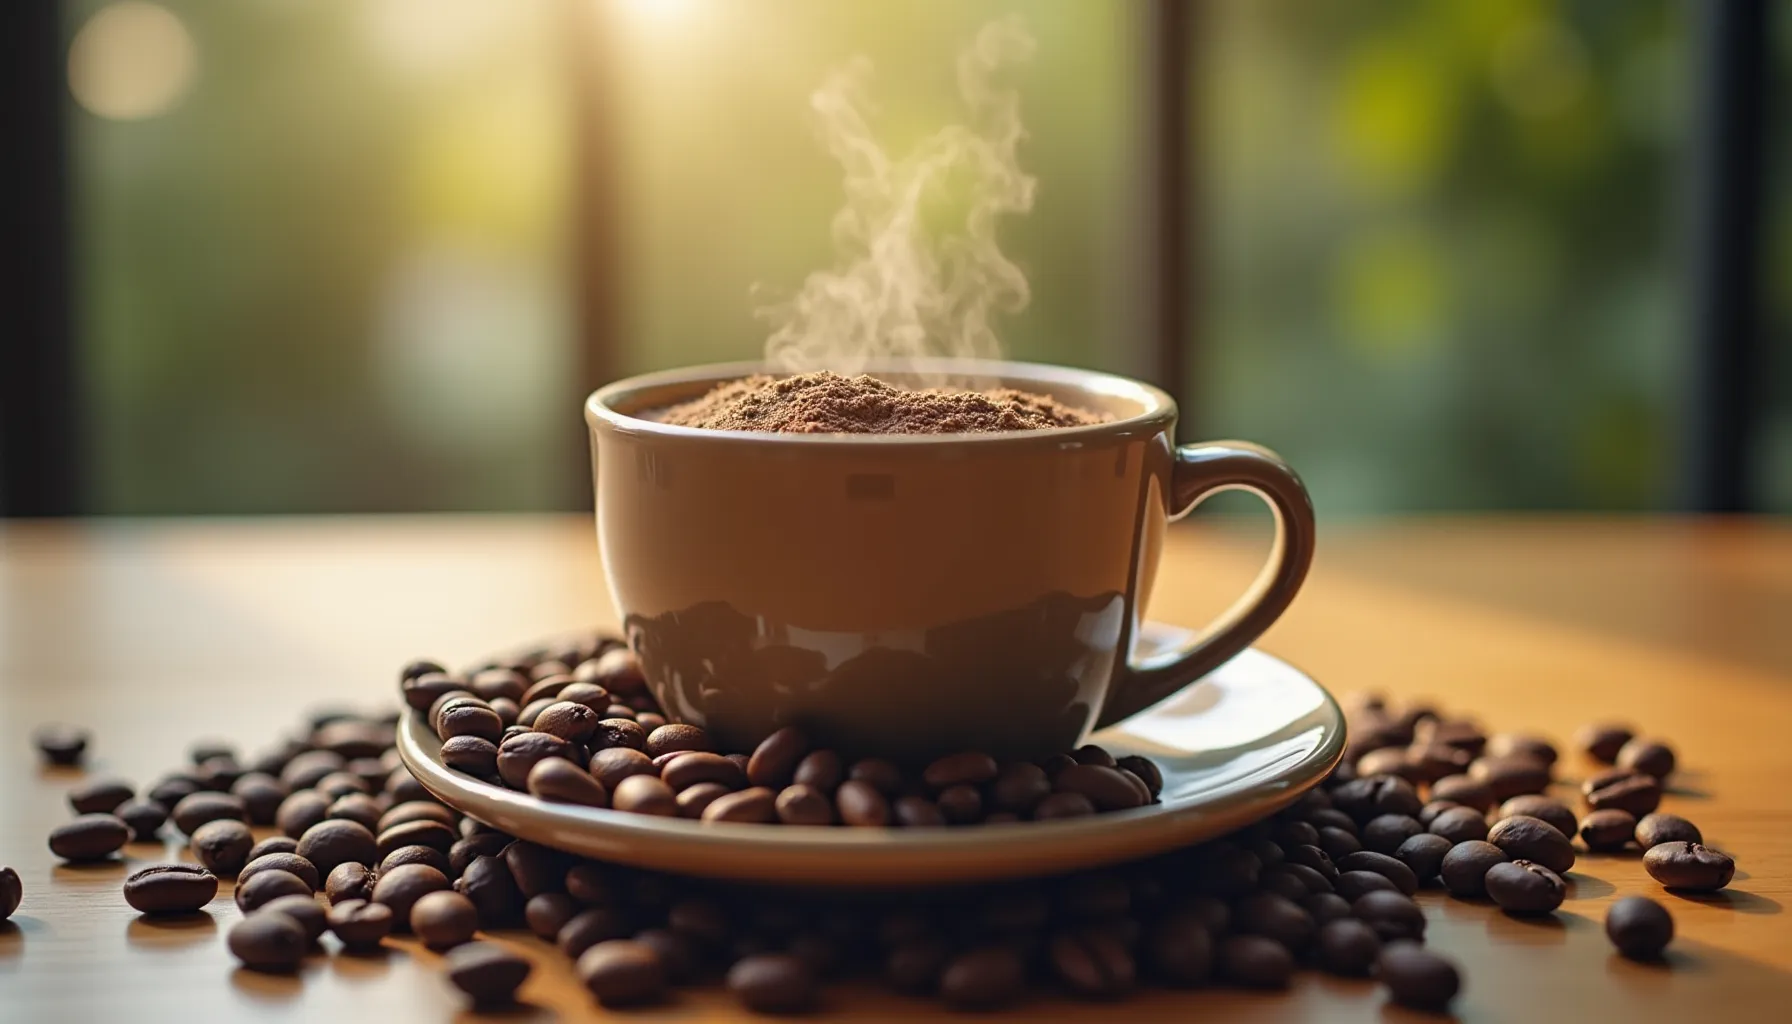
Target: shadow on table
(173, 931)
(1733, 899)
(266, 987)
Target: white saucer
(1233, 748)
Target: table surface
(156, 634)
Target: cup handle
(1200, 471)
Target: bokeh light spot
(131, 61)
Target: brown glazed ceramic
(916, 595)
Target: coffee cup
(909, 596)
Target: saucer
(1233, 748)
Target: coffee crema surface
(829, 403)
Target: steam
(906, 287)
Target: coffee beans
(303, 909)
(1390, 914)
(1524, 888)
(89, 837)
(622, 973)
(1251, 961)
(1608, 830)
(1690, 866)
(984, 978)
(1464, 868)
(1655, 829)
(223, 846)
(1424, 854)
(349, 882)
(166, 889)
(144, 818)
(199, 808)
(268, 886)
(338, 841)
(1507, 777)
(1637, 794)
(1601, 741)
(359, 924)
(1640, 927)
(1534, 805)
(1405, 880)
(772, 983)
(289, 862)
(489, 973)
(268, 941)
(402, 887)
(444, 919)
(1417, 977)
(1526, 838)
(99, 797)
(61, 745)
(1650, 757)
(1459, 825)
(645, 794)
(1347, 946)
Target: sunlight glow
(131, 61)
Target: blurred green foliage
(1439, 241)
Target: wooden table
(156, 634)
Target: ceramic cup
(916, 595)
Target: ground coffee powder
(827, 403)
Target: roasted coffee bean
(194, 811)
(1535, 748)
(1180, 947)
(469, 716)
(1464, 870)
(1338, 843)
(99, 797)
(773, 983)
(273, 844)
(1602, 741)
(1416, 977)
(1090, 753)
(1465, 790)
(338, 841)
(1282, 881)
(289, 862)
(268, 942)
(359, 924)
(499, 684)
(360, 808)
(1650, 757)
(1459, 733)
(668, 738)
(1638, 794)
(432, 834)
(465, 851)
(306, 770)
(1640, 927)
(422, 689)
(531, 711)
(1460, 825)
(859, 804)
(12, 892)
(61, 745)
(170, 790)
(915, 966)
(1353, 884)
(1297, 833)
(548, 912)
(1315, 858)
(1507, 777)
(268, 886)
(591, 695)
(677, 953)
(1392, 915)
(262, 795)
(562, 782)
(444, 919)
(1387, 761)
(551, 687)
(413, 855)
(589, 884)
(1391, 868)
(223, 846)
(1252, 961)
(622, 973)
(618, 732)
(1106, 788)
(1310, 878)
(1384, 833)
(301, 908)
(300, 811)
(1424, 854)
(645, 794)
(1608, 830)
(1226, 870)
(1428, 762)
(1325, 906)
(1063, 805)
(219, 774)
(774, 761)
(611, 766)
(1147, 772)
(536, 869)
(804, 805)
(1431, 810)
(1347, 946)
(572, 722)
(1523, 888)
(166, 889)
(415, 810)
(1268, 852)
(1523, 837)
(1331, 817)
(1535, 805)
(487, 972)
(689, 769)
(757, 805)
(983, 978)
(471, 755)
(819, 768)
(616, 669)
(971, 768)
(1274, 917)
(403, 887)
(877, 773)
(89, 837)
(520, 753)
(960, 805)
(623, 711)
(1690, 866)
(1093, 963)
(144, 818)
(350, 881)
(1654, 829)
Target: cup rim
(1157, 407)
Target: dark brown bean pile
(581, 737)
(1420, 800)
